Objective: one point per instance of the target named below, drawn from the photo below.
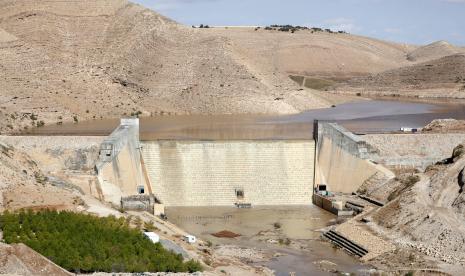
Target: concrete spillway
(222, 173)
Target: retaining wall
(342, 159)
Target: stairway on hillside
(345, 243)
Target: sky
(406, 21)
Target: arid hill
(316, 54)
(443, 77)
(434, 51)
(64, 61)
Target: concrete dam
(223, 173)
(230, 172)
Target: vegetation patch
(85, 243)
(293, 29)
(317, 84)
(313, 83)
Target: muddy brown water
(298, 223)
(361, 117)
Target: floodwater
(256, 226)
(361, 117)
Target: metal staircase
(344, 243)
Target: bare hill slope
(24, 185)
(434, 51)
(307, 53)
(428, 215)
(443, 77)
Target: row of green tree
(86, 243)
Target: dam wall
(118, 168)
(224, 173)
(343, 159)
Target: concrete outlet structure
(228, 173)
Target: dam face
(224, 173)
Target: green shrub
(85, 243)
(458, 151)
(318, 84)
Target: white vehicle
(152, 237)
(408, 129)
(190, 239)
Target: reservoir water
(360, 117)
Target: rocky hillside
(443, 77)
(24, 185)
(445, 126)
(427, 212)
(315, 54)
